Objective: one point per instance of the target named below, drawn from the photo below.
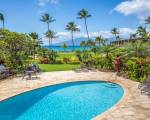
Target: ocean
(68, 49)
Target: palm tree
(100, 40)
(46, 18)
(35, 38)
(147, 21)
(50, 35)
(64, 46)
(34, 35)
(141, 31)
(2, 19)
(83, 44)
(115, 32)
(72, 27)
(91, 43)
(138, 49)
(132, 36)
(84, 14)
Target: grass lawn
(65, 54)
(57, 67)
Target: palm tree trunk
(48, 26)
(3, 24)
(34, 53)
(72, 41)
(86, 28)
(84, 48)
(49, 38)
(49, 43)
(116, 39)
(99, 43)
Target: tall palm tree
(46, 18)
(50, 35)
(115, 32)
(72, 27)
(2, 19)
(84, 14)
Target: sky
(24, 16)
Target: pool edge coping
(117, 105)
(102, 115)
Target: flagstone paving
(133, 106)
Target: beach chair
(83, 68)
(36, 68)
(145, 90)
(92, 69)
(31, 70)
(4, 72)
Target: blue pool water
(68, 101)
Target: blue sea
(68, 49)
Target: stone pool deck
(133, 105)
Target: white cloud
(79, 26)
(44, 2)
(65, 36)
(54, 1)
(140, 8)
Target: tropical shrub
(15, 49)
(66, 60)
(43, 52)
(59, 61)
(74, 60)
(44, 60)
(138, 68)
(106, 63)
(52, 55)
(79, 55)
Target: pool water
(67, 101)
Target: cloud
(54, 2)
(140, 8)
(65, 36)
(44, 2)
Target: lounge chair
(36, 68)
(83, 68)
(145, 83)
(145, 90)
(93, 69)
(4, 72)
(30, 70)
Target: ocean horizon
(61, 49)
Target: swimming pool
(67, 101)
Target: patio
(133, 106)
